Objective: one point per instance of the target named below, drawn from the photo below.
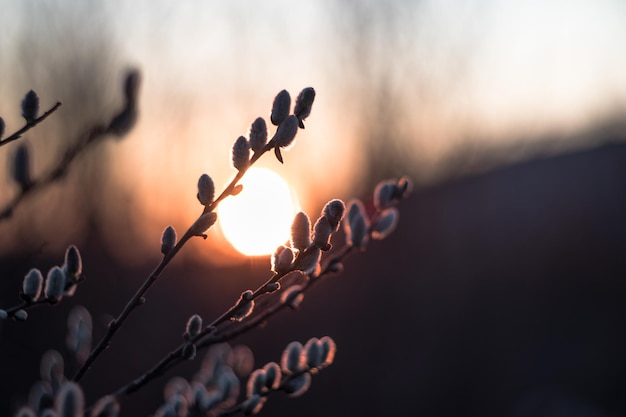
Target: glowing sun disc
(258, 219)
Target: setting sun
(258, 219)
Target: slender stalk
(28, 126)
(138, 298)
(211, 336)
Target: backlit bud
(334, 211)
(286, 132)
(292, 296)
(313, 353)
(203, 223)
(79, 331)
(321, 233)
(385, 223)
(257, 382)
(32, 285)
(189, 351)
(206, 189)
(258, 134)
(30, 106)
(357, 226)
(70, 401)
(298, 385)
(20, 315)
(280, 108)
(291, 361)
(194, 325)
(21, 166)
(243, 311)
(301, 231)
(309, 260)
(328, 350)
(304, 103)
(55, 284)
(273, 375)
(73, 266)
(168, 240)
(241, 153)
(253, 404)
(282, 259)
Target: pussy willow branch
(29, 304)
(239, 407)
(29, 125)
(212, 337)
(138, 298)
(89, 139)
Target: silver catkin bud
(280, 108)
(292, 296)
(194, 325)
(304, 103)
(168, 240)
(30, 106)
(309, 261)
(70, 401)
(106, 407)
(21, 167)
(253, 404)
(33, 284)
(329, 348)
(73, 266)
(357, 226)
(176, 386)
(321, 233)
(313, 353)
(79, 333)
(241, 153)
(334, 211)
(52, 368)
(258, 134)
(385, 224)
(203, 223)
(291, 361)
(384, 194)
(20, 315)
(298, 385)
(281, 260)
(286, 132)
(189, 351)
(273, 375)
(206, 190)
(405, 186)
(301, 232)
(256, 383)
(243, 311)
(55, 284)
(3, 314)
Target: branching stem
(29, 125)
(138, 298)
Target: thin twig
(212, 337)
(30, 125)
(138, 298)
(57, 172)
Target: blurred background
(500, 294)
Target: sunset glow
(258, 219)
